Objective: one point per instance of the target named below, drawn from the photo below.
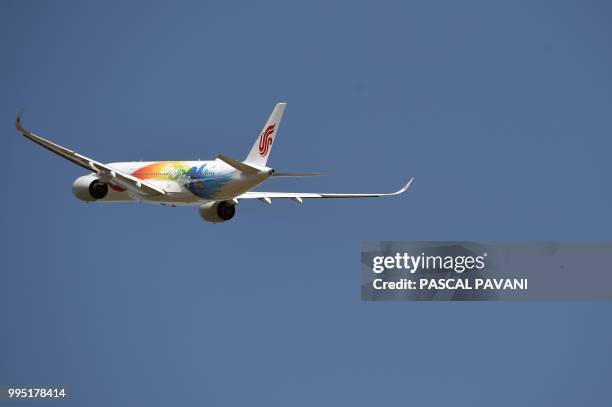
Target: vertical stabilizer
(261, 149)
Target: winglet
(24, 132)
(404, 188)
(18, 124)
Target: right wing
(298, 196)
(126, 180)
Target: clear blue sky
(502, 111)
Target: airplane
(215, 186)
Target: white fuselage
(185, 182)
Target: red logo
(265, 140)
(117, 187)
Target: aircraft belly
(208, 188)
(236, 187)
(178, 198)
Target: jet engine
(89, 188)
(217, 212)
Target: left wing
(128, 181)
(298, 196)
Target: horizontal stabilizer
(240, 166)
(297, 174)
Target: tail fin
(261, 149)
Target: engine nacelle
(88, 188)
(217, 212)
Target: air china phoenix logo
(265, 140)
